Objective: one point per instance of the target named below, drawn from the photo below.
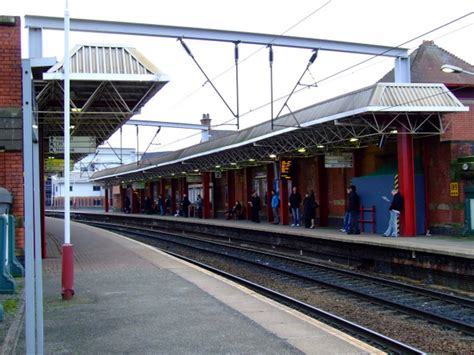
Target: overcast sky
(186, 97)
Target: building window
(70, 188)
(95, 188)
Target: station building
(418, 136)
(421, 132)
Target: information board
(81, 144)
(286, 169)
(338, 160)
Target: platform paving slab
(131, 298)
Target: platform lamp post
(448, 68)
(67, 280)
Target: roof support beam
(134, 122)
(139, 29)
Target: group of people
(309, 208)
(351, 217)
(162, 206)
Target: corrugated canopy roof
(109, 84)
(363, 114)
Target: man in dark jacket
(255, 206)
(395, 209)
(294, 202)
(185, 205)
(354, 210)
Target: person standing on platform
(347, 217)
(354, 210)
(126, 205)
(308, 210)
(275, 207)
(312, 196)
(255, 206)
(161, 205)
(395, 209)
(294, 203)
(199, 204)
(185, 205)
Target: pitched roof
(425, 64)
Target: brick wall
(459, 126)
(11, 178)
(10, 65)
(11, 162)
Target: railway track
(445, 309)
(381, 341)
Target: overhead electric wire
(356, 65)
(254, 52)
(334, 74)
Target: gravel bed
(423, 335)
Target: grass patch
(10, 305)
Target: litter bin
(7, 282)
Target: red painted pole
(323, 193)
(248, 191)
(270, 178)
(230, 188)
(206, 179)
(67, 277)
(406, 178)
(106, 200)
(284, 209)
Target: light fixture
(353, 139)
(72, 126)
(172, 174)
(76, 109)
(301, 150)
(218, 166)
(251, 159)
(448, 68)
(272, 156)
(183, 172)
(393, 131)
(320, 146)
(196, 170)
(233, 164)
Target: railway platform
(132, 298)
(446, 261)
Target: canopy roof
(109, 84)
(365, 115)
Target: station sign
(52, 165)
(80, 144)
(139, 185)
(338, 160)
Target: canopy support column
(406, 177)
(206, 179)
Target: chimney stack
(205, 121)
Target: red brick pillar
(206, 180)
(230, 188)
(174, 188)
(247, 191)
(323, 194)
(284, 214)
